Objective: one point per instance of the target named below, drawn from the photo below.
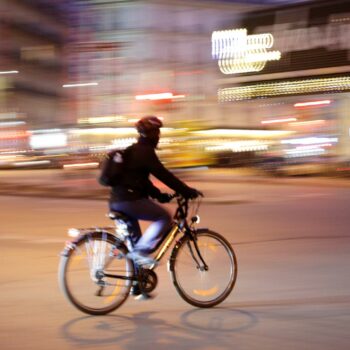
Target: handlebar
(179, 195)
(182, 202)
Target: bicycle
(96, 276)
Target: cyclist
(131, 195)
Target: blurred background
(259, 85)
(255, 100)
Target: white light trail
(81, 165)
(310, 140)
(312, 103)
(9, 72)
(34, 162)
(6, 124)
(160, 96)
(79, 85)
(281, 120)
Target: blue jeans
(147, 210)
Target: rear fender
(71, 245)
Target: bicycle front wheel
(94, 274)
(204, 285)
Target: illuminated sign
(294, 87)
(315, 36)
(238, 52)
(334, 36)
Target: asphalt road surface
(292, 291)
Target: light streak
(238, 52)
(34, 162)
(281, 120)
(312, 103)
(9, 72)
(308, 123)
(81, 165)
(159, 96)
(79, 85)
(283, 88)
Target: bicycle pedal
(135, 291)
(143, 297)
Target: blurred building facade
(140, 57)
(269, 82)
(304, 89)
(32, 63)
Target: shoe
(141, 259)
(144, 296)
(135, 290)
(117, 254)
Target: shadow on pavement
(144, 330)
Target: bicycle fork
(201, 264)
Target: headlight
(196, 219)
(73, 232)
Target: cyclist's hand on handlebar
(165, 198)
(192, 193)
(200, 194)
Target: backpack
(112, 168)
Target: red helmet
(148, 124)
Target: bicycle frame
(174, 231)
(179, 226)
(98, 249)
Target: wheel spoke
(89, 275)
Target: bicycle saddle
(117, 215)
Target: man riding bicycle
(131, 195)
(93, 272)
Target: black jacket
(141, 161)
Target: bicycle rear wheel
(94, 275)
(199, 286)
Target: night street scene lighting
(254, 98)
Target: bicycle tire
(78, 285)
(202, 288)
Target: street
(292, 291)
